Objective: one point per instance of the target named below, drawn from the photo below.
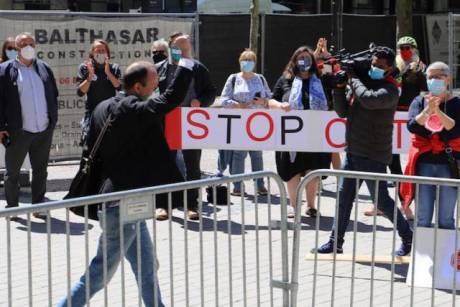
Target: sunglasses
(158, 51)
(10, 48)
(404, 48)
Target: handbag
(88, 179)
(454, 164)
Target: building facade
(148, 6)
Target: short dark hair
(385, 53)
(173, 36)
(137, 72)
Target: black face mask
(158, 56)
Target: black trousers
(395, 166)
(37, 145)
(192, 160)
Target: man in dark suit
(28, 115)
(134, 154)
(201, 93)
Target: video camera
(356, 64)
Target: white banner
(64, 43)
(310, 131)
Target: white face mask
(28, 53)
(100, 58)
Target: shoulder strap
(95, 148)
(233, 81)
(264, 82)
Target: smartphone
(257, 95)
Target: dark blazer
(134, 152)
(204, 88)
(10, 105)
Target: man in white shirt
(28, 115)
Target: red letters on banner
(194, 123)
(399, 123)
(328, 132)
(270, 129)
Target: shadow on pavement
(57, 226)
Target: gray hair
(160, 43)
(21, 35)
(439, 66)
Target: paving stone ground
(222, 245)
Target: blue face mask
(176, 54)
(11, 54)
(436, 86)
(247, 66)
(304, 65)
(376, 73)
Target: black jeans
(347, 189)
(192, 160)
(395, 166)
(37, 145)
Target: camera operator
(369, 106)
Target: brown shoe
(371, 212)
(262, 191)
(162, 214)
(193, 215)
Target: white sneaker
(290, 212)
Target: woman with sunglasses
(300, 88)
(435, 140)
(8, 50)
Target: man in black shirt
(201, 93)
(133, 154)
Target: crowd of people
(134, 152)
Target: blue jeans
(224, 160)
(257, 164)
(427, 196)
(347, 188)
(96, 276)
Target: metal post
(262, 45)
(451, 27)
(196, 27)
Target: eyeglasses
(405, 48)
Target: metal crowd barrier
(359, 280)
(233, 256)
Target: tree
(254, 31)
(404, 18)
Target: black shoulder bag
(89, 178)
(454, 164)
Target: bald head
(140, 79)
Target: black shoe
(328, 248)
(404, 249)
(311, 212)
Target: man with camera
(369, 105)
